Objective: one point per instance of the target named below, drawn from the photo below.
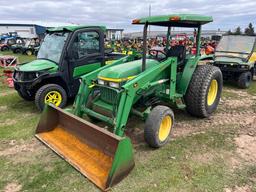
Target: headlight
(100, 82)
(114, 85)
(244, 66)
(37, 74)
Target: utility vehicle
(146, 87)
(66, 53)
(29, 47)
(7, 43)
(235, 55)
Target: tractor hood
(225, 60)
(38, 65)
(125, 70)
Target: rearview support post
(144, 46)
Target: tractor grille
(108, 95)
(24, 76)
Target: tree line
(247, 31)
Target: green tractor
(147, 88)
(235, 55)
(65, 55)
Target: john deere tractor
(65, 55)
(148, 88)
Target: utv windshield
(237, 46)
(52, 46)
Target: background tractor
(235, 55)
(4, 36)
(29, 47)
(65, 54)
(146, 87)
(7, 43)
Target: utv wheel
(51, 93)
(17, 51)
(204, 91)
(24, 95)
(5, 48)
(158, 126)
(244, 80)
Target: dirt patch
(7, 93)
(13, 187)
(8, 122)
(3, 108)
(246, 147)
(239, 93)
(244, 118)
(237, 103)
(204, 158)
(238, 111)
(245, 188)
(19, 148)
(22, 152)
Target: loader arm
(87, 83)
(131, 89)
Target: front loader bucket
(101, 156)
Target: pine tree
(249, 30)
(229, 32)
(238, 31)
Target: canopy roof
(74, 27)
(176, 20)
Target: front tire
(244, 80)
(204, 91)
(158, 126)
(51, 93)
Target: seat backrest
(178, 51)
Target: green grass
(199, 162)
(252, 89)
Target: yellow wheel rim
(165, 128)
(53, 97)
(29, 53)
(212, 93)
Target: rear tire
(204, 91)
(158, 126)
(244, 80)
(54, 93)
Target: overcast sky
(227, 14)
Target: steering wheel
(155, 53)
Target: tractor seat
(178, 51)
